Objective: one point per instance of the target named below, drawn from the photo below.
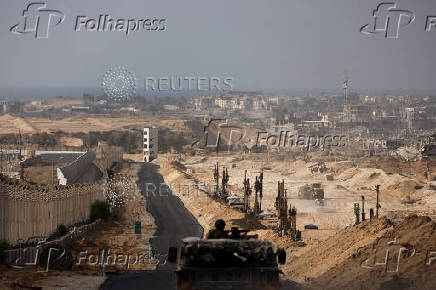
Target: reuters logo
(119, 84)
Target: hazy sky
(261, 44)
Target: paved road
(173, 221)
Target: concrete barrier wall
(22, 219)
(30, 255)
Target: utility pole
(377, 188)
(224, 182)
(345, 87)
(261, 190)
(52, 173)
(282, 209)
(256, 201)
(216, 176)
(258, 186)
(292, 215)
(247, 193)
(363, 208)
(19, 142)
(357, 213)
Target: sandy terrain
(11, 124)
(388, 257)
(336, 240)
(348, 186)
(71, 142)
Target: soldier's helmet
(220, 224)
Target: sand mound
(396, 184)
(406, 186)
(11, 124)
(335, 250)
(400, 258)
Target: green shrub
(100, 210)
(110, 173)
(4, 245)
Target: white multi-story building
(150, 144)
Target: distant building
(283, 128)
(150, 144)
(129, 109)
(11, 106)
(203, 103)
(80, 108)
(170, 107)
(356, 113)
(224, 102)
(419, 118)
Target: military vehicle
(313, 191)
(240, 261)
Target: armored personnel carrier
(240, 261)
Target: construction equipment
(258, 186)
(287, 218)
(224, 182)
(216, 177)
(311, 192)
(247, 193)
(318, 167)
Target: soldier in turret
(218, 232)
